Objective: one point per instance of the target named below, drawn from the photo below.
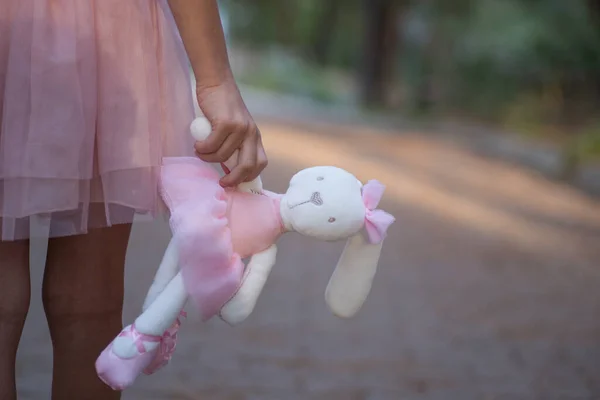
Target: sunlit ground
(487, 289)
(494, 198)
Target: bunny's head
(325, 203)
(329, 203)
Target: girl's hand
(232, 129)
(199, 25)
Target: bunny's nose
(316, 199)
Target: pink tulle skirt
(200, 221)
(93, 94)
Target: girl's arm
(200, 28)
(233, 128)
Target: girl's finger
(261, 163)
(223, 153)
(246, 163)
(214, 141)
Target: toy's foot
(118, 372)
(166, 348)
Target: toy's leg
(163, 311)
(136, 347)
(169, 267)
(239, 307)
(166, 272)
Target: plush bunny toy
(215, 228)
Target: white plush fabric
(352, 278)
(321, 202)
(255, 277)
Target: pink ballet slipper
(166, 348)
(119, 373)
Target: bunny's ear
(353, 276)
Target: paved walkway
(487, 289)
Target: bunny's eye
(331, 220)
(320, 178)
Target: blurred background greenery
(526, 66)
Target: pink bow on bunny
(377, 222)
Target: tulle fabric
(211, 269)
(93, 94)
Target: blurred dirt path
(487, 289)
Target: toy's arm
(242, 303)
(254, 186)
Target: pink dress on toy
(93, 94)
(215, 229)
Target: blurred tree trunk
(424, 96)
(594, 7)
(324, 29)
(588, 85)
(284, 15)
(379, 45)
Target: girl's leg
(14, 304)
(83, 300)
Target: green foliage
(526, 63)
(277, 76)
(503, 49)
(588, 143)
(293, 23)
(542, 42)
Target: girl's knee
(14, 313)
(14, 300)
(61, 301)
(15, 287)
